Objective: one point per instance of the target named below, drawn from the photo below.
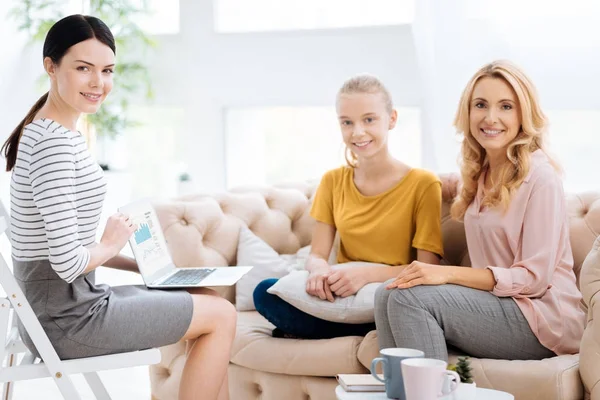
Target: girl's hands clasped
(317, 285)
(346, 282)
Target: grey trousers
(478, 323)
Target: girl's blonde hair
(531, 137)
(363, 84)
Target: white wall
(204, 72)
(208, 71)
(20, 65)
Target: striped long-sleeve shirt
(56, 197)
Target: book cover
(360, 383)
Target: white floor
(122, 384)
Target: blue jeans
(298, 323)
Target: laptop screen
(147, 242)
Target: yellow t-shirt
(385, 228)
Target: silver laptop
(154, 261)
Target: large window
(145, 160)
(162, 17)
(539, 23)
(274, 15)
(153, 150)
(531, 8)
(267, 145)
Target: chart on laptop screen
(146, 238)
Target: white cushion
(355, 309)
(267, 263)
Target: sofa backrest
(204, 229)
(584, 217)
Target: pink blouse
(529, 252)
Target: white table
(483, 394)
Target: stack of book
(360, 383)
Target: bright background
(245, 90)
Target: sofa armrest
(590, 343)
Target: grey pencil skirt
(83, 319)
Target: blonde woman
(385, 212)
(520, 300)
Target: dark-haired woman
(57, 192)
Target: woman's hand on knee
(420, 273)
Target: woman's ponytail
(10, 147)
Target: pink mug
(424, 378)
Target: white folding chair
(15, 305)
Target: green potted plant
(467, 388)
(132, 78)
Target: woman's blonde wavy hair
(530, 138)
(363, 84)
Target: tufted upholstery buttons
(590, 343)
(204, 230)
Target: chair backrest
(25, 313)
(4, 213)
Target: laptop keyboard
(187, 277)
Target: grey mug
(391, 361)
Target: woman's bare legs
(209, 336)
(224, 393)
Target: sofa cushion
(247, 384)
(552, 378)
(267, 263)
(165, 376)
(203, 230)
(355, 309)
(590, 343)
(255, 348)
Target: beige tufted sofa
(203, 230)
